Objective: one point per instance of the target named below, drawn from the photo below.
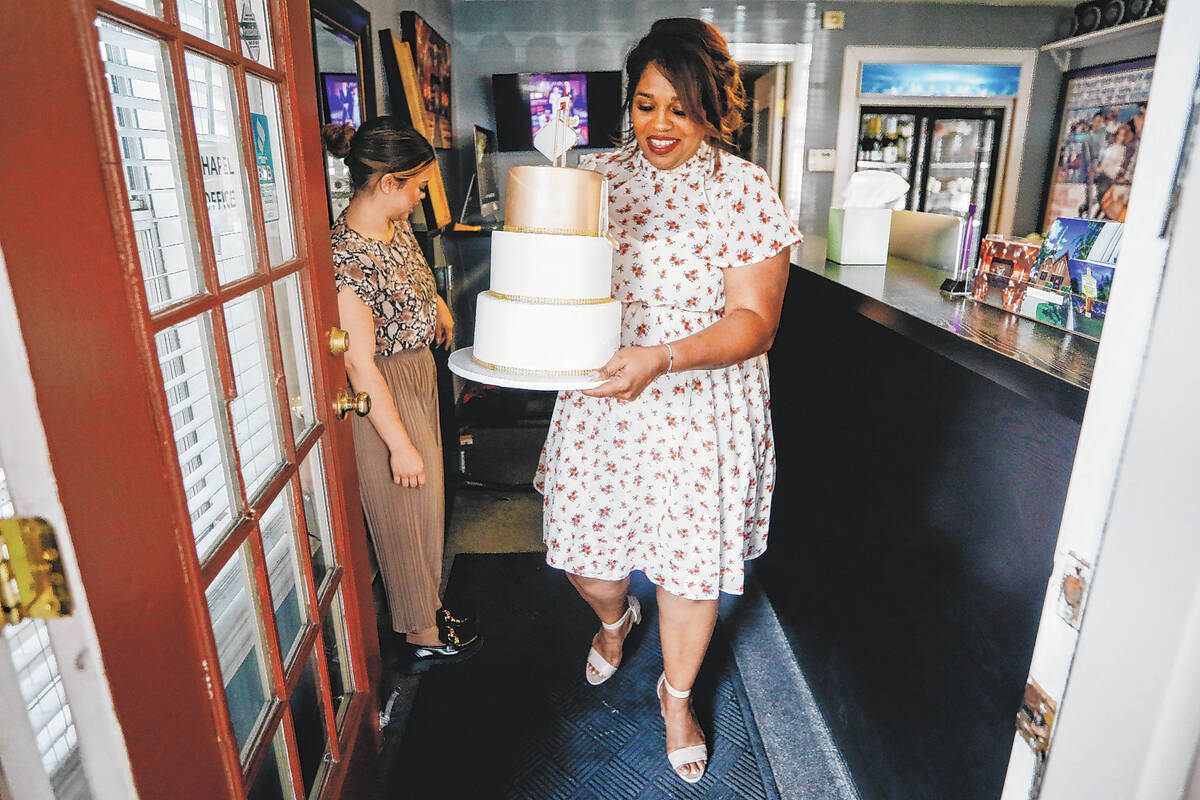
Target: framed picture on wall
(1099, 132)
(431, 55)
(402, 81)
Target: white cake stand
(462, 364)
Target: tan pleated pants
(406, 524)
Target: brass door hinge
(32, 582)
(1036, 718)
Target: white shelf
(1060, 50)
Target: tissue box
(859, 235)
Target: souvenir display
(1065, 282)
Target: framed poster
(431, 55)
(1099, 133)
(401, 74)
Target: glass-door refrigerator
(948, 156)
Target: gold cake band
(551, 231)
(549, 373)
(550, 301)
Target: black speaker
(1136, 9)
(1088, 16)
(1065, 28)
(1112, 12)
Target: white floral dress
(678, 482)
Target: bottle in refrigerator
(875, 129)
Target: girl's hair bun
(337, 138)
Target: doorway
(761, 139)
(784, 108)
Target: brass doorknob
(344, 403)
(339, 341)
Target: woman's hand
(408, 468)
(630, 371)
(443, 327)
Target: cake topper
(557, 137)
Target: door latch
(1035, 719)
(32, 581)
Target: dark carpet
(518, 721)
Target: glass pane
(316, 515)
(272, 169)
(273, 781)
(309, 718)
(46, 703)
(149, 6)
(337, 657)
(337, 179)
(186, 357)
(255, 411)
(214, 109)
(233, 611)
(885, 141)
(288, 595)
(293, 344)
(206, 19)
(255, 29)
(960, 159)
(139, 82)
(339, 54)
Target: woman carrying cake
(668, 466)
(388, 303)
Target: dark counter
(924, 446)
(1044, 364)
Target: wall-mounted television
(525, 101)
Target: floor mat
(519, 721)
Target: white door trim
(1008, 179)
(31, 481)
(798, 57)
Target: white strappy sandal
(694, 754)
(604, 669)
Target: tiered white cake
(549, 309)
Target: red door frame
(81, 310)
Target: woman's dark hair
(694, 57)
(382, 145)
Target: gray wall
(386, 14)
(527, 35)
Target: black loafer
(420, 657)
(456, 627)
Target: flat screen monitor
(525, 102)
(341, 98)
